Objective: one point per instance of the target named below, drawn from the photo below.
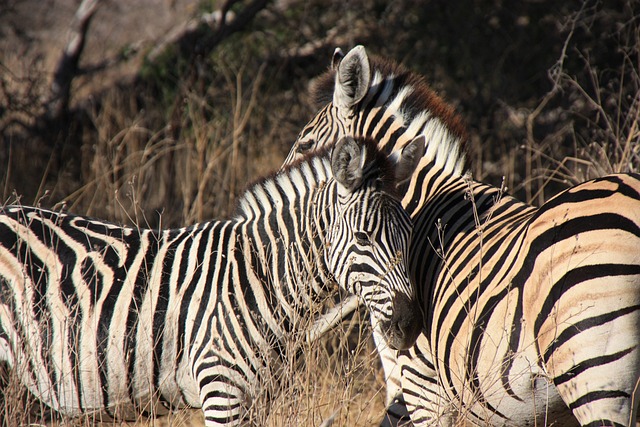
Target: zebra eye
(362, 238)
(305, 146)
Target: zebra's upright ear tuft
(338, 55)
(353, 76)
(347, 163)
(406, 160)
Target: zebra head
(369, 233)
(377, 98)
(346, 84)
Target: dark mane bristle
(378, 166)
(321, 88)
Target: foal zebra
(95, 317)
(532, 316)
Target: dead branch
(201, 35)
(57, 103)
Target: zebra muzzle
(402, 330)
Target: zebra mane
(379, 168)
(418, 101)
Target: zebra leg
(222, 387)
(223, 403)
(396, 413)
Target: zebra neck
(283, 249)
(443, 162)
(432, 187)
(457, 205)
(462, 214)
(395, 113)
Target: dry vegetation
(550, 91)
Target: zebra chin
(402, 331)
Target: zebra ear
(347, 163)
(406, 160)
(338, 54)
(353, 76)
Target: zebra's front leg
(223, 403)
(396, 413)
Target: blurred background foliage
(178, 126)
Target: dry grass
(134, 170)
(338, 376)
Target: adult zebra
(531, 315)
(98, 317)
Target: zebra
(100, 318)
(531, 315)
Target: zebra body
(532, 316)
(95, 317)
(543, 311)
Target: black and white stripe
(95, 317)
(532, 316)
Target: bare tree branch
(67, 69)
(201, 35)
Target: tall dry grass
(188, 166)
(336, 377)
